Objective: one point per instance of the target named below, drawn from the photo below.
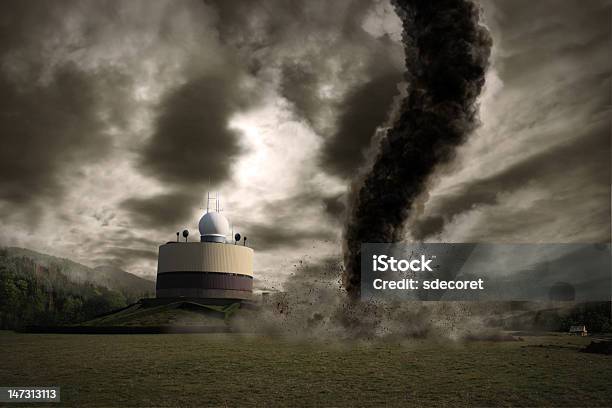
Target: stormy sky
(118, 116)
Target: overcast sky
(118, 116)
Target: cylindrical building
(210, 270)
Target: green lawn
(235, 370)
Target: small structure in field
(579, 330)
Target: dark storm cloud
(290, 210)
(47, 128)
(266, 237)
(167, 210)
(192, 142)
(365, 108)
(294, 206)
(299, 84)
(335, 206)
(329, 35)
(570, 165)
(252, 26)
(23, 23)
(534, 35)
(54, 112)
(286, 227)
(192, 148)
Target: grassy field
(234, 370)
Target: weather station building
(215, 270)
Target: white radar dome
(213, 227)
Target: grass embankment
(235, 370)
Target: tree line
(31, 294)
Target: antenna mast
(215, 196)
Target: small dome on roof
(213, 227)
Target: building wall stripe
(204, 280)
(205, 256)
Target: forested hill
(38, 289)
(130, 285)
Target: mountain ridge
(111, 277)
